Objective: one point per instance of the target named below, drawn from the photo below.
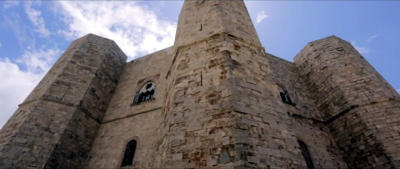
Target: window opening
(146, 93)
(286, 97)
(129, 153)
(306, 154)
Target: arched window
(306, 154)
(146, 93)
(129, 154)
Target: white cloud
(14, 87)
(36, 18)
(17, 83)
(10, 4)
(372, 37)
(362, 50)
(20, 76)
(38, 61)
(261, 16)
(136, 29)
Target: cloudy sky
(33, 34)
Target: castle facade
(215, 99)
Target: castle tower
(359, 107)
(200, 19)
(54, 127)
(221, 99)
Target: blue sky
(33, 34)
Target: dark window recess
(286, 98)
(146, 93)
(129, 154)
(306, 154)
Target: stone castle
(215, 99)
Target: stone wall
(217, 104)
(125, 121)
(223, 109)
(360, 108)
(305, 120)
(200, 19)
(56, 124)
(262, 132)
(198, 114)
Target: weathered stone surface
(200, 19)
(220, 101)
(124, 121)
(360, 109)
(305, 120)
(55, 126)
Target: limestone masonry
(215, 99)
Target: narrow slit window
(286, 97)
(129, 154)
(146, 93)
(306, 154)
